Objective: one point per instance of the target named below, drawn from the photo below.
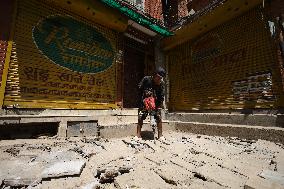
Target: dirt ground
(182, 160)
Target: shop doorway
(134, 66)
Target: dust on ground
(182, 160)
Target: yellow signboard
(61, 61)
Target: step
(124, 130)
(63, 112)
(252, 132)
(269, 120)
(112, 120)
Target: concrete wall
(266, 120)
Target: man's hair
(160, 71)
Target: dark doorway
(28, 130)
(134, 58)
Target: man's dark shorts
(142, 114)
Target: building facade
(87, 55)
(71, 55)
(233, 65)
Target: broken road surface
(182, 160)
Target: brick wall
(154, 8)
(182, 8)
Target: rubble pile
(182, 160)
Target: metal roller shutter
(233, 66)
(61, 60)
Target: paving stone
(60, 168)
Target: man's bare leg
(160, 130)
(139, 126)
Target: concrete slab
(268, 120)
(185, 164)
(273, 176)
(274, 134)
(127, 129)
(280, 162)
(141, 178)
(82, 128)
(226, 158)
(260, 183)
(59, 169)
(92, 185)
(247, 167)
(198, 183)
(26, 168)
(111, 154)
(21, 172)
(173, 174)
(116, 131)
(117, 120)
(19, 181)
(223, 177)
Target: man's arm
(140, 92)
(160, 96)
(141, 84)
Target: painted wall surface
(233, 66)
(95, 11)
(3, 52)
(60, 60)
(198, 5)
(6, 15)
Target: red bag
(149, 103)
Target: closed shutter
(61, 60)
(231, 67)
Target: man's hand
(149, 103)
(148, 93)
(160, 107)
